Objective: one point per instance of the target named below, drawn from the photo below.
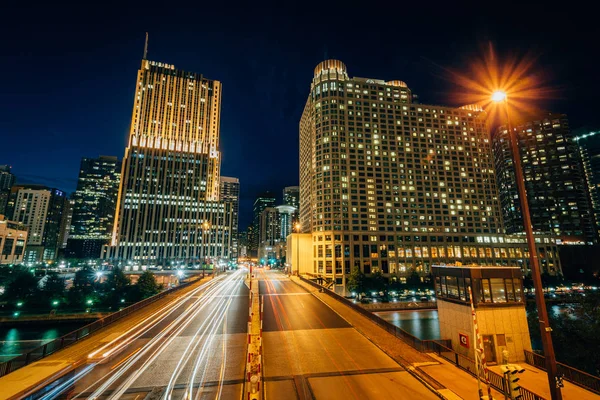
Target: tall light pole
(297, 226)
(205, 228)
(500, 97)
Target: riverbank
(44, 319)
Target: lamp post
(297, 226)
(205, 228)
(500, 97)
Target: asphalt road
(199, 347)
(310, 352)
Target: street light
(501, 97)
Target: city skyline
(270, 71)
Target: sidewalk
(536, 380)
(19, 382)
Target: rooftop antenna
(146, 47)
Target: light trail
(158, 344)
(216, 294)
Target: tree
(82, 289)
(413, 281)
(118, 287)
(23, 287)
(147, 286)
(54, 286)
(378, 281)
(356, 281)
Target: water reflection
(16, 341)
(423, 324)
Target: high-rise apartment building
(271, 246)
(95, 202)
(168, 208)
(7, 180)
(554, 178)
(40, 209)
(65, 223)
(263, 201)
(389, 185)
(230, 192)
(589, 149)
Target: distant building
(13, 237)
(263, 201)
(243, 244)
(95, 202)
(230, 192)
(291, 197)
(589, 149)
(65, 225)
(286, 215)
(40, 209)
(554, 175)
(269, 235)
(7, 180)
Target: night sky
(67, 76)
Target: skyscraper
(7, 180)
(40, 209)
(291, 197)
(168, 208)
(95, 201)
(263, 201)
(554, 177)
(393, 186)
(230, 192)
(589, 149)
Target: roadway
(310, 351)
(194, 347)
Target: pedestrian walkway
(20, 382)
(536, 380)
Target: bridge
(193, 342)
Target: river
(18, 340)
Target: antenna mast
(146, 47)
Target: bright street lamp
(498, 96)
(298, 226)
(545, 330)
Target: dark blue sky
(67, 75)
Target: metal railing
(468, 365)
(81, 333)
(573, 375)
(440, 347)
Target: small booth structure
(499, 304)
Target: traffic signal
(511, 373)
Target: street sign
(463, 340)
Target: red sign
(464, 340)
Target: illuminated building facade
(263, 201)
(94, 205)
(7, 180)
(589, 149)
(389, 185)
(168, 208)
(557, 191)
(40, 209)
(230, 192)
(13, 237)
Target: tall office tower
(95, 202)
(291, 197)
(554, 177)
(263, 201)
(65, 223)
(270, 234)
(13, 237)
(168, 208)
(286, 215)
(388, 185)
(589, 149)
(7, 180)
(230, 192)
(40, 209)
(243, 244)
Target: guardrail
(573, 375)
(64, 341)
(468, 365)
(413, 341)
(440, 347)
